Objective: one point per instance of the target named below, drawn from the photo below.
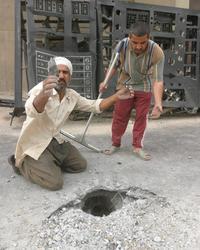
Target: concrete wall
(7, 48)
(175, 3)
(194, 4)
(182, 4)
(156, 2)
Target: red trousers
(121, 115)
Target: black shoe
(11, 161)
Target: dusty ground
(160, 208)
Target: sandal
(111, 150)
(142, 155)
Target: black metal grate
(82, 72)
(54, 6)
(133, 16)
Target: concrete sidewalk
(173, 173)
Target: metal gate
(86, 32)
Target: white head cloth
(64, 61)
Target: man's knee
(52, 180)
(54, 185)
(77, 167)
(83, 165)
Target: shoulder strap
(123, 52)
(150, 52)
(152, 44)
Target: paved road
(174, 172)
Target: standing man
(41, 153)
(140, 66)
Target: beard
(61, 86)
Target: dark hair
(139, 29)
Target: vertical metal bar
(31, 47)
(18, 56)
(99, 46)
(69, 46)
(93, 46)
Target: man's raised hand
(49, 84)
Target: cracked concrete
(173, 173)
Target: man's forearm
(158, 92)
(122, 94)
(108, 102)
(40, 101)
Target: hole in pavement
(76, 223)
(102, 202)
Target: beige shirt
(39, 128)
